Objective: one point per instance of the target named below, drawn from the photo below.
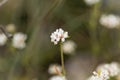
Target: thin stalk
(93, 29)
(62, 59)
(11, 73)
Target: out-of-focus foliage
(38, 18)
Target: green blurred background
(39, 18)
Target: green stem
(62, 59)
(93, 29)
(11, 73)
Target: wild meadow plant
(103, 72)
(58, 37)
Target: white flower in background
(100, 75)
(112, 68)
(103, 74)
(10, 28)
(58, 78)
(115, 69)
(106, 71)
(54, 69)
(19, 40)
(58, 35)
(91, 2)
(3, 39)
(110, 21)
(69, 47)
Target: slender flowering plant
(59, 36)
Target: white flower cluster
(91, 2)
(110, 21)
(105, 71)
(56, 70)
(19, 40)
(112, 68)
(100, 75)
(59, 35)
(69, 47)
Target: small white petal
(55, 42)
(66, 34)
(63, 39)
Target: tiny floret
(59, 35)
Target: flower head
(55, 69)
(59, 35)
(58, 78)
(110, 21)
(113, 68)
(102, 74)
(3, 39)
(106, 71)
(19, 40)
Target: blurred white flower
(58, 35)
(106, 71)
(19, 40)
(113, 68)
(10, 28)
(54, 69)
(3, 39)
(58, 78)
(110, 21)
(91, 2)
(69, 47)
(102, 74)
